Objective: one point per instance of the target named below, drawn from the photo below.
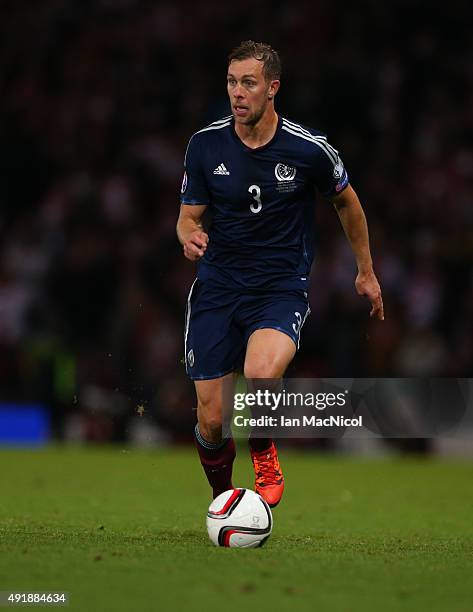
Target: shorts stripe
(188, 318)
(300, 328)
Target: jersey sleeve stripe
(213, 127)
(187, 149)
(321, 139)
(320, 144)
(304, 130)
(220, 120)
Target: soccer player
(256, 171)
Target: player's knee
(210, 423)
(266, 368)
(211, 429)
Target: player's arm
(354, 224)
(190, 231)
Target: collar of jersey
(265, 146)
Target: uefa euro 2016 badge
(338, 169)
(340, 174)
(285, 175)
(184, 183)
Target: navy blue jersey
(262, 200)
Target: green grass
(125, 530)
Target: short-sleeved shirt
(261, 201)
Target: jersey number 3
(256, 193)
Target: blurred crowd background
(98, 100)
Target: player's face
(248, 90)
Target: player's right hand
(196, 245)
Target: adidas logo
(221, 170)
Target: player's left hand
(367, 284)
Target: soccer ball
(239, 518)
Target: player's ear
(273, 89)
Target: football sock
(217, 461)
(259, 444)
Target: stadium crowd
(99, 99)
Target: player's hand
(196, 245)
(367, 284)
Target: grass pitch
(125, 530)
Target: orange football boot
(269, 481)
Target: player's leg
(273, 324)
(268, 355)
(216, 453)
(213, 350)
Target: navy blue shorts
(219, 322)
